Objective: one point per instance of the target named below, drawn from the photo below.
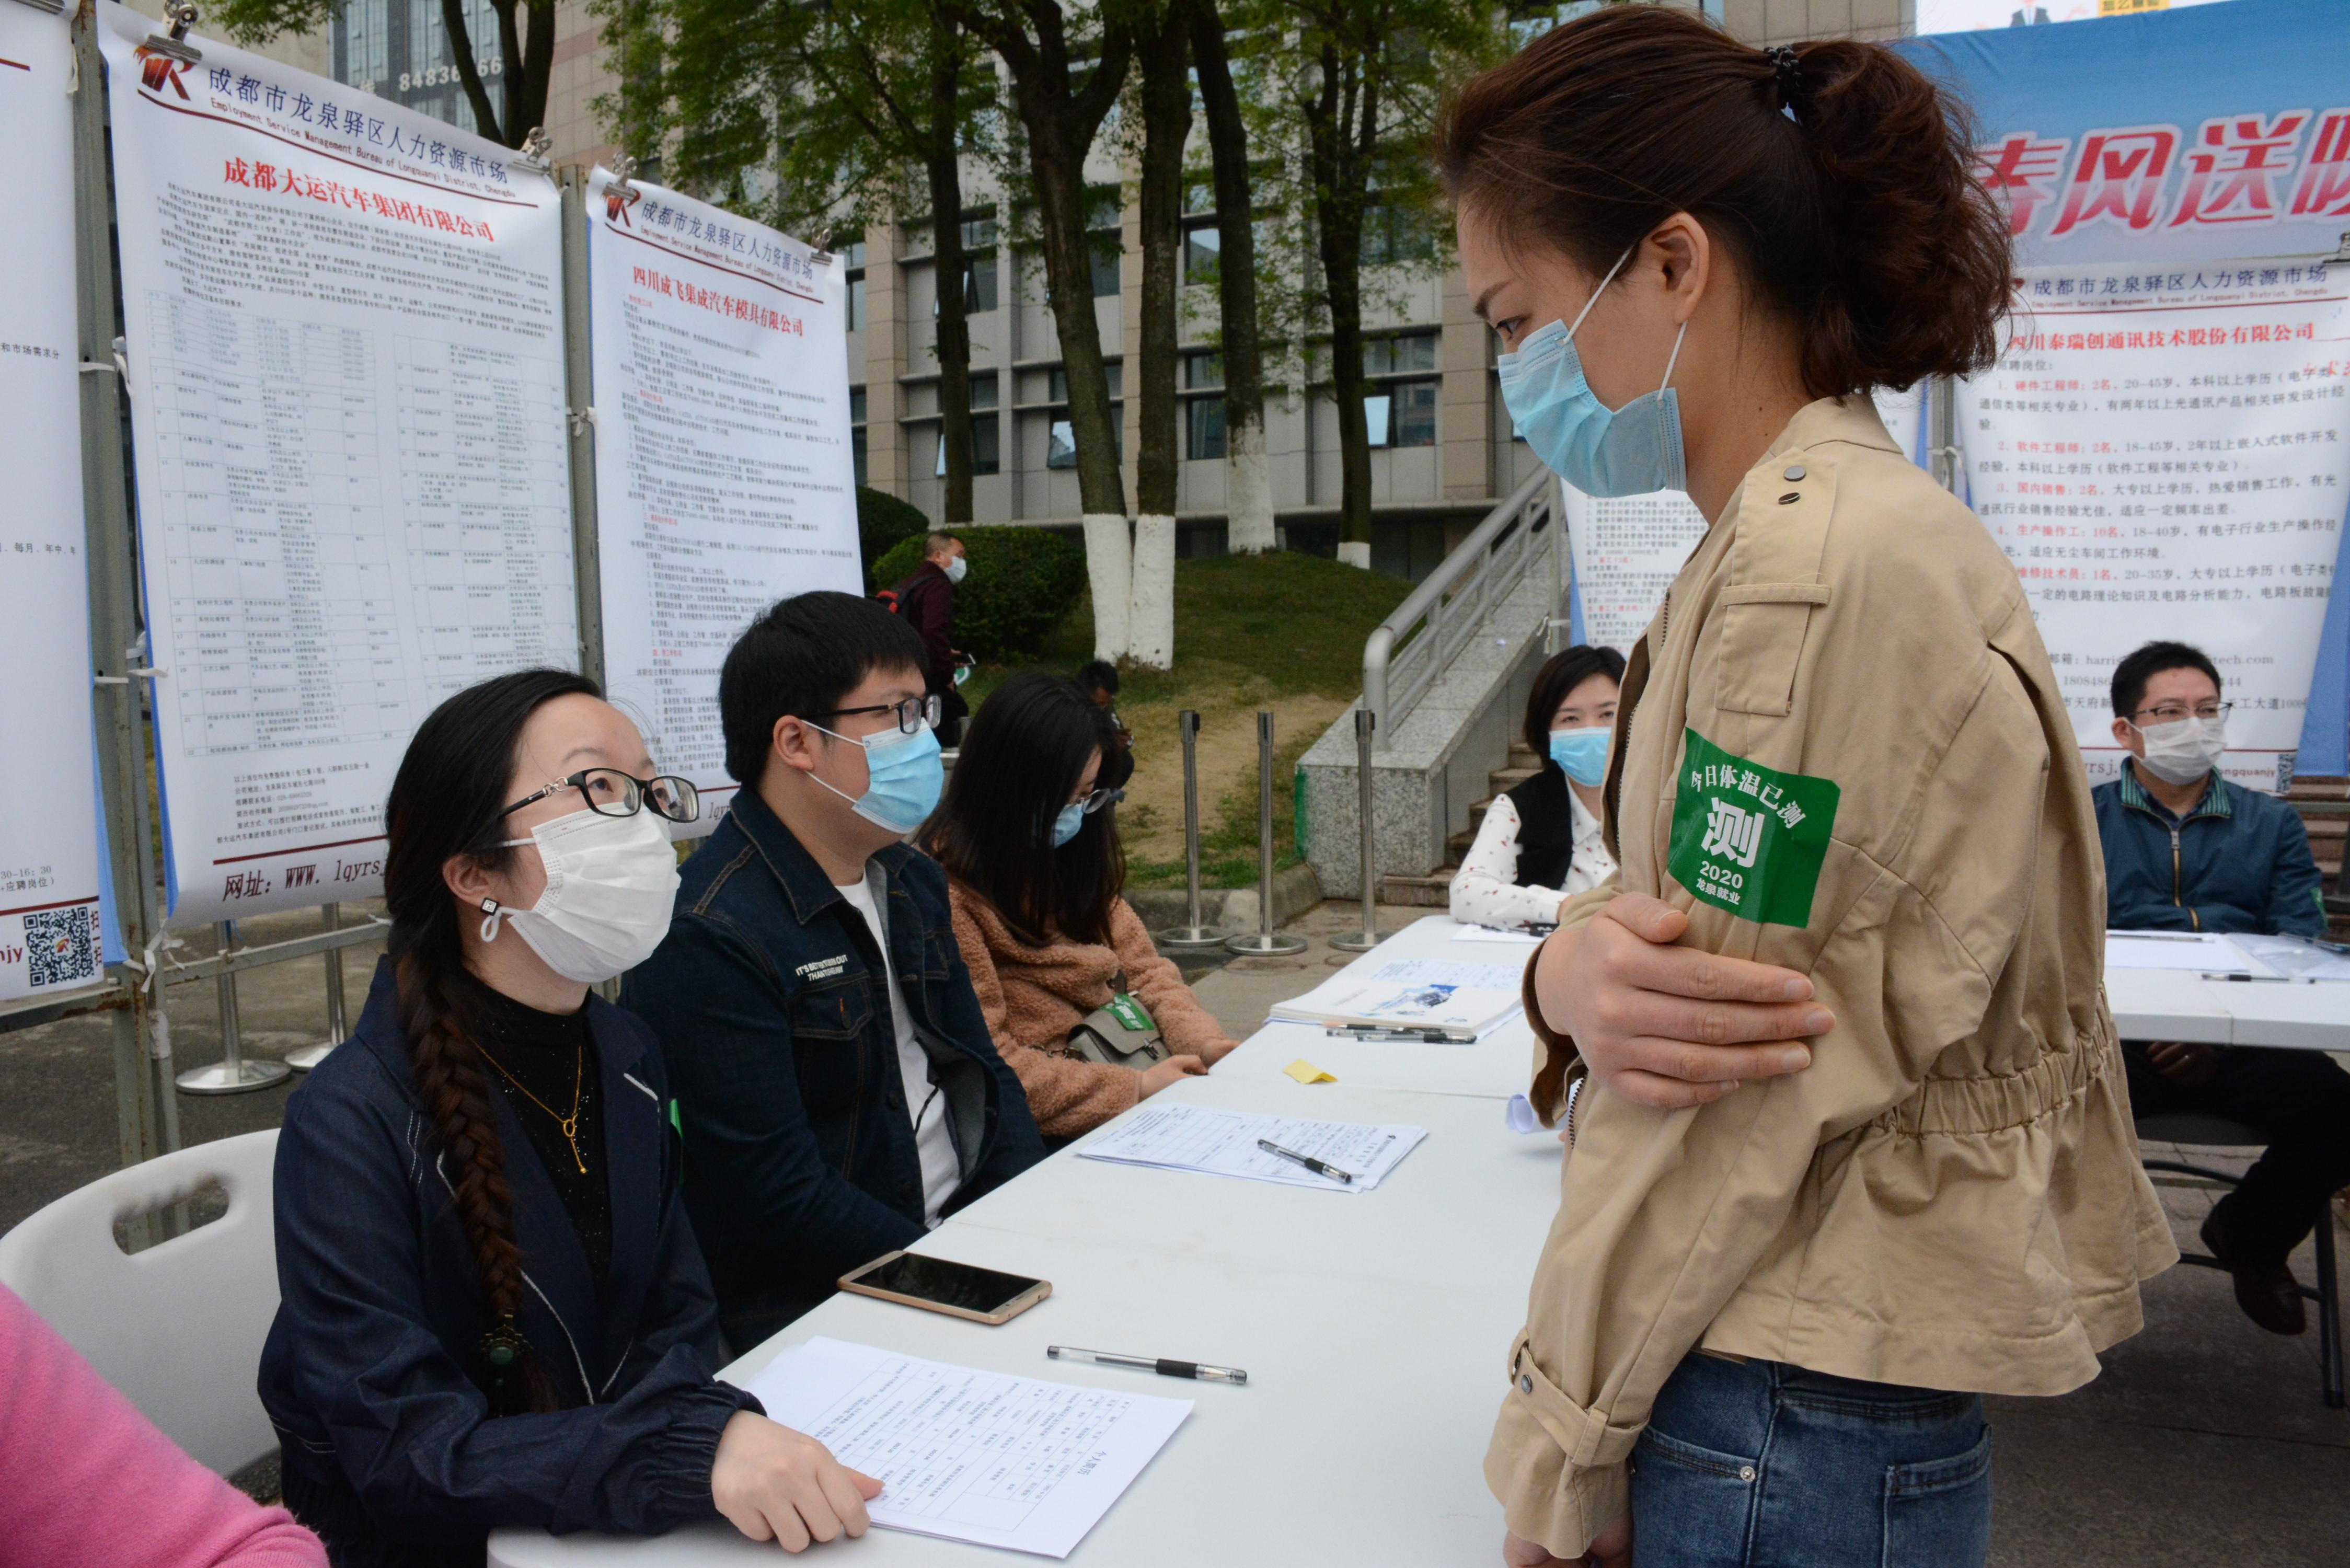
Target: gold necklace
(570, 1124)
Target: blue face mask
(1065, 825)
(1629, 450)
(1581, 755)
(904, 778)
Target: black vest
(1545, 828)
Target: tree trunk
(1165, 126)
(1248, 487)
(948, 265)
(1341, 176)
(526, 89)
(1061, 121)
(469, 70)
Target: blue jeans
(1758, 1464)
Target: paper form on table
(967, 1455)
(1422, 993)
(1223, 1143)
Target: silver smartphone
(940, 1285)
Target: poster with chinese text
(723, 476)
(345, 330)
(2162, 455)
(49, 864)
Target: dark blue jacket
(769, 998)
(2239, 862)
(388, 1442)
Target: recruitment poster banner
(49, 863)
(345, 328)
(723, 472)
(1627, 551)
(2200, 134)
(2162, 455)
(2146, 147)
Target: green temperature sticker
(1128, 1011)
(1748, 838)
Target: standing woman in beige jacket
(1847, 805)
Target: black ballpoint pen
(1318, 1167)
(1199, 1371)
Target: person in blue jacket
(2185, 850)
(837, 1088)
(492, 1309)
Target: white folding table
(1374, 1326)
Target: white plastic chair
(177, 1327)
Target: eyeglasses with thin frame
(914, 715)
(609, 792)
(2172, 712)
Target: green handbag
(1120, 1034)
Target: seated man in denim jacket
(2185, 851)
(838, 1089)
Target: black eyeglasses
(914, 715)
(2171, 712)
(609, 792)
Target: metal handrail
(1447, 608)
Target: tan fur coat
(1033, 996)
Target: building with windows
(1443, 451)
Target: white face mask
(2184, 750)
(956, 568)
(610, 884)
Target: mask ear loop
(492, 912)
(1674, 357)
(1595, 293)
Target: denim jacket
(389, 1452)
(774, 1015)
(2239, 862)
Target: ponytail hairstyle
(1837, 171)
(1022, 754)
(1560, 674)
(446, 800)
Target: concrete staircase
(1432, 891)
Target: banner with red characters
(2196, 135)
(2162, 448)
(345, 336)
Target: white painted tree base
(1248, 480)
(1151, 616)
(1355, 554)
(1110, 568)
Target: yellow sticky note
(1305, 1071)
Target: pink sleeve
(85, 1478)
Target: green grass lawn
(1279, 631)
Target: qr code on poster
(61, 945)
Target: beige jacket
(1033, 996)
(1950, 1195)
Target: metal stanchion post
(1266, 942)
(309, 1056)
(1371, 935)
(1192, 936)
(232, 1074)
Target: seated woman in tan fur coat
(1030, 844)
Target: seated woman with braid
(492, 1309)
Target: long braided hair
(445, 802)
